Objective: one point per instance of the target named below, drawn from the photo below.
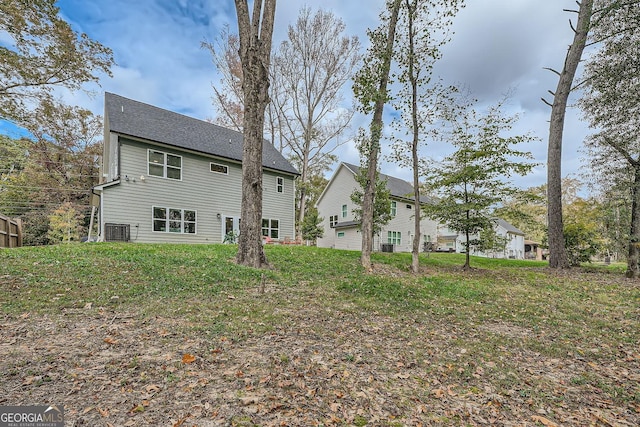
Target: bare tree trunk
(413, 77)
(633, 260)
(302, 203)
(255, 50)
(368, 198)
(558, 256)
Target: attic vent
(116, 232)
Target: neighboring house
(451, 241)
(171, 178)
(341, 231)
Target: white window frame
(333, 220)
(271, 231)
(226, 168)
(394, 208)
(394, 237)
(279, 184)
(345, 211)
(340, 234)
(167, 220)
(165, 164)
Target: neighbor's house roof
(397, 187)
(507, 226)
(136, 119)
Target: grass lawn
(179, 335)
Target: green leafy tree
(422, 30)
(490, 242)
(382, 202)
(311, 228)
(610, 103)
(58, 164)
(583, 230)
(64, 224)
(370, 90)
(43, 52)
(473, 180)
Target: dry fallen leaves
(188, 358)
(544, 421)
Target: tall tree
(57, 165)
(421, 32)
(42, 52)
(255, 32)
(611, 103)
(556, 128)
(473, 180)
(370, 89)
(311, 68)
(229, 98)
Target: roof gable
(508, 227)
(133, 118)
(397, 187)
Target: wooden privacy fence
(10, 232)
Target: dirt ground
(111, 368)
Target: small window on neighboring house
(344, 211)
(333, 220)
(271, 228)
(393, 237)
(280, 184)
(169, 220)
(394, 208)
(340, 234)
(164, 165)
(218, 168)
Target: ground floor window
(172, 220)
(393, 237)
(340, 234)
(271, 228)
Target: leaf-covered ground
(502, 345)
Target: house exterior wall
(208, 193)
(338, 193)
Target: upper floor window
(344, 211)
(394, 208)
(280, 184)
(333, 220)
(164, 165)
(169, 220)
(218, 168)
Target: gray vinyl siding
(337, 194)
(208, 193)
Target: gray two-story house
(167, 177)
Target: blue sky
(498, 45)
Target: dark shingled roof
(128, 117)
(398, 187)
(509, 227)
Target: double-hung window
(164, 165)
(280, 184)
(333, 220)
(271, 228)
(170, 220)
(344, 211)
(394, 208)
